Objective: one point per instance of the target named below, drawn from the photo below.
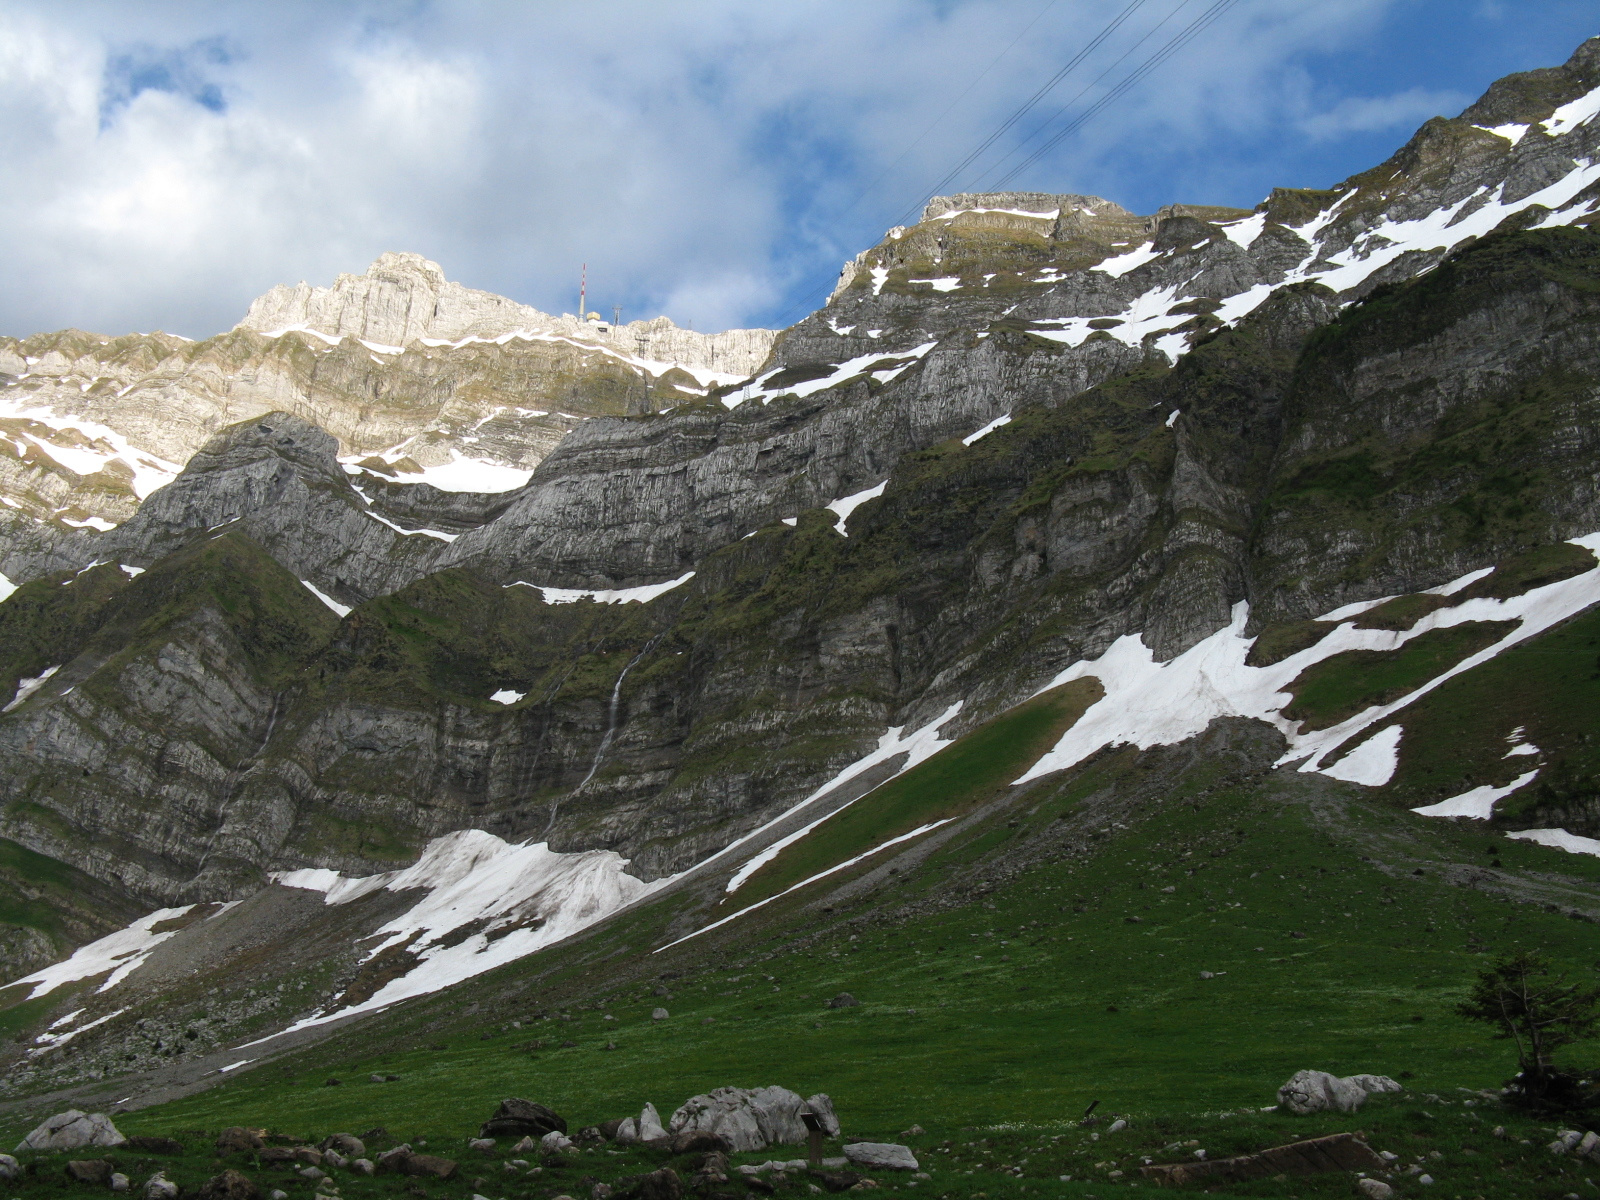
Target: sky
(713, 160)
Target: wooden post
(814, 1135)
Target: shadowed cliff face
(1084, 424)
(663, 730)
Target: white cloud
(1370, 114)
(700, 156)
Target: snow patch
(120, 953)
(1373, 762)
(919, 747)
(848, 504)
(506, 696)
(433, 533)
(130, 572)
(1572, 114)
(342, 610)
(987, 429)
(642, 594)
(1478, 803)
(1172, 417)
(945, 283)
(7, 588)
(27, 687)
(1512, 133)
(1149, 703)
(519, 898)
(1558, 839)
(1121, 264)
(1244, 232)
(460, 474)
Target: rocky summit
(1112, 656)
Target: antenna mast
(583, 294)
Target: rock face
(405, 298)
(72, 1130)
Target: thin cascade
(611, 725)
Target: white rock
(650, 1126)
(554, 1142)
(483, 1144)
(1424, 1178)
(333, 1158)
(72, 1130)
(881, 1156)
(159, 1187)
(1318, 1091)
(1117, 1126)
(9, 1167)
(363, 1166)
(277, 1194)
(1589, 1147)
(659, 1014)
(749, 1118)
(525, 1145)
(119, 1181)
(1374, 1083)
(1375, 1189)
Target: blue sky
(716, 160)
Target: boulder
(880, 1156)
(836, 1181)
(698, 1141)
(1318, 1091)
(159, 1187)
(657, 1185)
(844, 1000)
(484, 1145)
(430, 1165)
(230, 1185)
(1374, 1189)
(646, 1127)
(519, 1118)
(1337, 1152)
(119, 1181)
(154, 1145)
(10, 1168)
(659, 1014)
(237, 1138)
(746, 1118)
(72, 1130)
(363, 1166)
(554, 1143)
(608, 1129)
(89, 1170)
(390, 1160)
(1374, 1083)
(345, 1143)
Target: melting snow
(1512, 133)
(880, 276)
(1009, 212)
(987, 429)
(848, 504)
(945, 283)
(807, 882)
(460, 474)
(754, 389)
(1149, 703)
(641, 594)
(343, 610)
(527, 896)
(919, 747)
(49, 1041)
(1121, 264)
(1478, 803)
(27, 687)
(1244, 232)
(1569, 116)
(433, 533)
(130, 572)
(1559, 839)
(120, 953)
(6, 588)
(1373, 762)
(506, 696)
(1172, 417)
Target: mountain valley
(1139, 657)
